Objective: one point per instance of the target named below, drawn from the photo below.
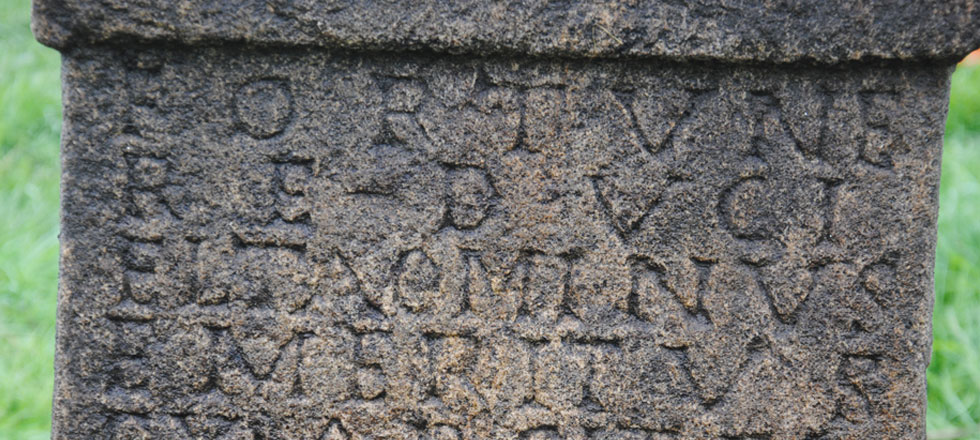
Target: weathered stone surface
(743, 30)
(316, 243)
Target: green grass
(29, 129)
(954, 375)
(964, 103)
(30, 119)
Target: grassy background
(30, 118)
(954, 375)
(29, 168)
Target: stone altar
(298, 219)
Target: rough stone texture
(315, 243)
(743, 30)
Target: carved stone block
(540, 221)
